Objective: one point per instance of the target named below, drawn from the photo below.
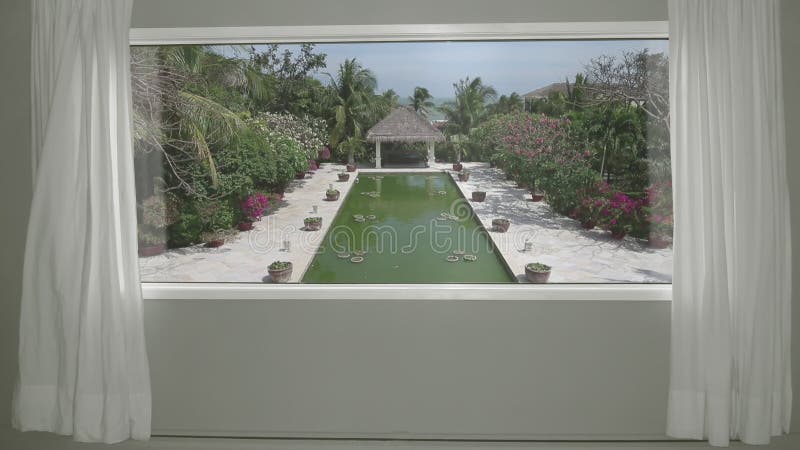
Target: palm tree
(173, 110)
(468, 109)
(421, 101)
(507, 104)
(470, 105)
(354, 103)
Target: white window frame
(397, 33)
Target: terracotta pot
(215, 243)
(300, 175)
(536, 277)
(537, 197)
(656, 241)
(152, 250)
(245, 226)
(478, 196)
(332, 197)
(500, 225)
(457, 167)
(344, 176)
(280, 276)
(351, 167)
(463, 176)
(588, 225)
(313, 226)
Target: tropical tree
(421, 101)
(180, 112)
(469, 107)
(507, 104)
(467, 111)
(354, 106)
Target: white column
(377, 154)
(431, 154)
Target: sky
(508, 66)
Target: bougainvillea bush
(254, 206)
(620, 213)
(658, 209)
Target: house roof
(404, 124)
(544, 92)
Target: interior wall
(399, 369)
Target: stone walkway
(244, 259)
(576, 255)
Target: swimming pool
(406, 228)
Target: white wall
(347, 368)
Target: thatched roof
(546, 91)
(404, 124)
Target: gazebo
(404, 124)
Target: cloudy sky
(509, 66)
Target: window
(464, 161)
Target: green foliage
(538, 267)
(279, 265)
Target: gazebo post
(431, 153)
(377, 154)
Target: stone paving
(244, 258)
(576, 255)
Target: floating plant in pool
(452, 258)
(458, 252)
(470, 258)
(407, 244)
(343, 255)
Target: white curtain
(730, 360)
(83, 369)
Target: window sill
(565, 292)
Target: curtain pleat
(730, 363)
(83, 368)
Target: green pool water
(412, 223)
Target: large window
(404, 162)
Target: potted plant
(253, 208)
(619, 214)
(463, 175)
(537, 272)
(588, 212)
(536, 197)
(351, 167)
(213, 239)
(332, 195)
(500, 225)
(280, 271)
(344, 176)
(312, 223)
(478, 196)
(300, 175)
(458, 148)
